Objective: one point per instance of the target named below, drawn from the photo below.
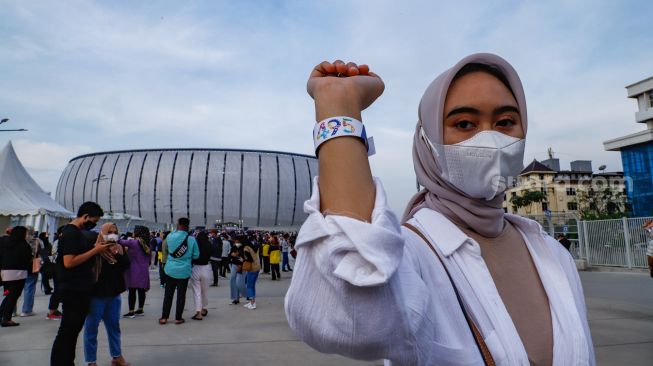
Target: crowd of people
(90, 269)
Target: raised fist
(355, 82)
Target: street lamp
(5, 120)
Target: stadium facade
(249, 187)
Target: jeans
(28, 292)
(236, 284)
(75, 308)
(172, 284)
(285, 266)
(14, 289)
(106, 309)
(251, 284)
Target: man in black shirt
(564, 241)
(75, 269)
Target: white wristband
(341, 126)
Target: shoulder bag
(181, 249)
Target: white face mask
(111, 237)
(482, 165)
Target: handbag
(480, 342)
(247, 266)
(36, 265)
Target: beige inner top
(521, 290)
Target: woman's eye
(465, 125)
(505, 123)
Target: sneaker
(31, 313)
(251, 306)
(53, 316)
(247, 305)
(57, 312)
(139, 312)
(235, 302)
(130, 315)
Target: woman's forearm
(346, 184)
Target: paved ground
(620, 307)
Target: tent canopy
(20, 195)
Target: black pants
(266, 264)
(216, 267)
(172, 284)
(224, 266)
(15, 288)
(46, 274)
(131, 298)
(55, 298)
(162, 274)
(275, 271)
(75, 308)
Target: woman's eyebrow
(459, 110)
(505, 109)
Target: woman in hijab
(137, 277)
(106, 302)
(460, 282)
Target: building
(210, 186)
(637, 150)
(559, 186)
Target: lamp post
(5, 120)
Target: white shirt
(226, 248)
(375, 291)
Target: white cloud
(88, 76)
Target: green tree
(526, 199)
(596, 203)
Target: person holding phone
(106, 301)
(75, 270)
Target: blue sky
(95, 76)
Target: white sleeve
(345, 296)
(569, 267)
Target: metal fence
(614, 243)
(617, 243)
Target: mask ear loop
(428, 142)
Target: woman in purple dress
(137, 277)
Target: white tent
(22, 201)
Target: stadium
(251, 188)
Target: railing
(614, 243)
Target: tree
(527, 198)
(596, 203)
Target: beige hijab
(482, 216)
